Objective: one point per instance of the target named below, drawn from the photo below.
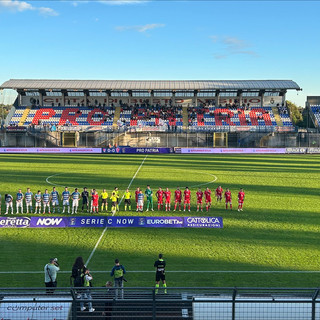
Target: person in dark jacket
(118, 271)
(79, 271)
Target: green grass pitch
(278, 230)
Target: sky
(162, 40)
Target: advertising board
(137, 150)
(111, 222)
(229, 150)
(35, 307)
(50, 150)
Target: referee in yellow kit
(127, 200)
(104, 201)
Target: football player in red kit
(160, 195)
(177, 199)
(167, 195)
(187, 199)
(240, 199)
(136, 194)
(207, 195)
(95, 201)
(199, 199)
(228, 198)
(219, 192)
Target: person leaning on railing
(118, 271)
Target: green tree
(296, 114)
(4, 110)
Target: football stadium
(159, 160)
(185, 199)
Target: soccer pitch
(273, 242)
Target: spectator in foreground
(81, 278)
(86, 294)
(118, 271)
(78, 271)
(50, 274)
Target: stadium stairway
(277, 116)
(24, 116)
(185, 118)
(116, 117)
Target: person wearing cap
(50, 274)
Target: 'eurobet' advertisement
(111, 222)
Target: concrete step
(277, 116)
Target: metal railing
(148, 303)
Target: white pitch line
(55, 184)
(175, 271)
(203, 184)
(106, 228)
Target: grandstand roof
(29, 84)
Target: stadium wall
(208, 140)
(100, 139)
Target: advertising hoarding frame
(111, 222)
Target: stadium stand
(236, 116)
(316, 112)
(284, 115)
(16, 118)
(146, 115)
(176, 106)
(202, 117)
(81, 116)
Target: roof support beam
(151, 97)
(41, 94)
(239, 95)
(108, 93)
(217, 98)
(64, 95)
(195, 93)
(261, 94)
(129, 97)
(173, 98)
(86, 98)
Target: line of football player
(164, 199)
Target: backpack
(118, 272)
